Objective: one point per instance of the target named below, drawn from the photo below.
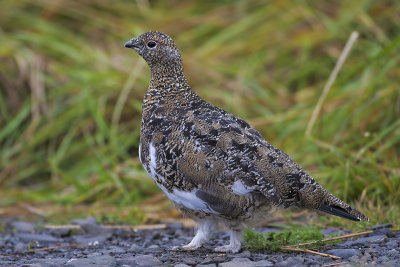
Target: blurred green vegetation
(71, 95)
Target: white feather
(239, 188)
(188, 200)
(140, 158)
(153, 159)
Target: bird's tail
(335, 206)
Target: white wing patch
(239, 188)
(153, 159)
(188, 199)
(140, 158)
(153, 162)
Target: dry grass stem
(289, 248)
(353, 37)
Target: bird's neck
(169, 80)
(168, 88)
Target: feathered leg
(234, 243)
(204, 230)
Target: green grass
(70, 101)
(273, 241)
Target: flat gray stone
(142, 260)
(262, 263)
(354, 259)
(95, 261)
(345, 252)
(367, 240)
(20, 247)
(291, 261)
(135, 248)
(126, 262)
(190, 261)
(245, 262)
(49, 262)
(23, 227)
(181, 265)
(236, 262)
(40, 238)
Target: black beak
(131, 44)
(128, 44)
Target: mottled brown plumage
(213, 166)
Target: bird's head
(158, 49)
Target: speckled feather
(210, 163)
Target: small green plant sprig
(273, 241)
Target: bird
(214, 167)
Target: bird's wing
(221, 160)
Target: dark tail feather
(338, 211)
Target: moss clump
(275, 240)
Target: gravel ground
(102, 246)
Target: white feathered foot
(204, 230)
(234, 243)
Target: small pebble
(60, 232)
(20, 247)
(135, 248)
(366, 240)
(392, 244)
(344, 253)
(23, 227)
(40, 238)
(190, 261)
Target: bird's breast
(186, 198)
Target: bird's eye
(151, 44)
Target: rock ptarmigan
(213, 166)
